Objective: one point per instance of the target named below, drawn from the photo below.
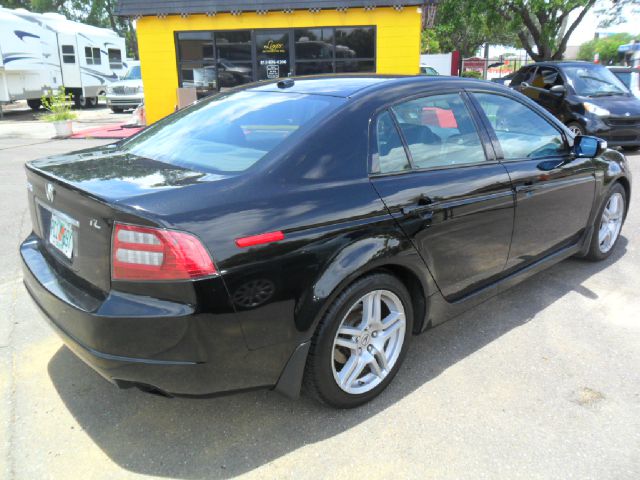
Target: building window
(92, 55)
(115, 58)
(214, 60)
(68, 54)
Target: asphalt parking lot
(540, 382)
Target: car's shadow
(227, 436)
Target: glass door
(273, 54)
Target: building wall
(397, 43)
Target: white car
(128, 93)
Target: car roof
(619, 68)
(351, 85)
(565, 63)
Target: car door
(554, 190)
(539, 89)
(434, 168)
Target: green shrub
(471, 74)
(59, 106)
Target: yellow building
(211, 45)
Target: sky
(589, 25)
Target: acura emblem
(50, 192)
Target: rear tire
(34, 104)
(92, 102)
(81, 101)
(345, 370)
(632, 148)
(608, 224)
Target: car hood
(117, 176)
(617, 105)
(126, 83)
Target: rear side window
(439, 131)
(228, 134)
(391, 155)
(522, 133)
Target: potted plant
(59, 106)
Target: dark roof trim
(132, 8)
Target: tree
(606, 48)
(543, 26)
(465, 25)
(617, 10)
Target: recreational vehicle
(44, 51)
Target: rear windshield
(594, 81)
(230, 133)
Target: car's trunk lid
(75, 201)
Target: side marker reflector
(259, 239)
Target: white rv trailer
(29, 63)
(82, 58)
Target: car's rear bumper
(137, 340)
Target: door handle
(420, 206)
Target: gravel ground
(540, 382)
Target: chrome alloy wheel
(611, 222)
(368, 342)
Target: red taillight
(144, 253)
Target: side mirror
(588, 147)
(559, 90)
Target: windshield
(625, 77)
(229, 133)
(133, 73)
(594, 81)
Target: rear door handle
(421, 207)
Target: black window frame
(93, 56)
(68, 57)
(118, 64)
(483, 134)
(497, 147)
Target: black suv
(586, 97)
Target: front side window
(439, 131)
(522, 132)
(228, 134)
(390, 155)
(522, 76)
(546, 77)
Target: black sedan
(300, 232)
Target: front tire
(360, 343)
(608, 224)
(34, 104)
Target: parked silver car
(127, 93)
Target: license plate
(61, 235)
